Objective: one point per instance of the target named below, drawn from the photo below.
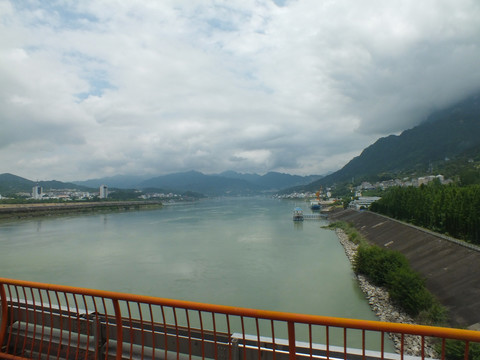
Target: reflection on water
(298, 225)
(239, 252)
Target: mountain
(444, 136)
(272, 180)
(10, 184)
(212, 185)
(117, 181)
(225, 183)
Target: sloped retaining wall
(452, 271)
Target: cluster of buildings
(67, 194)
(359, 201)
(303, 195)
(38, 193)
(169, 196)
(382, 185)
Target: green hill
(11, 184)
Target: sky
(98, 88)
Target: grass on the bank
(352, 233)
(406, 287)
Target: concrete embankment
(451, 270)
(28, 210)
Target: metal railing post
(118, 321)
(291, 340)
(3, 314)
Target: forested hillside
(447, 209)
(446, 140)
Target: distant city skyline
(94, 89)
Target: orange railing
(52, 321)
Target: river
(243, 252)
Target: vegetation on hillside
(447, 209)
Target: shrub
(378, 264)
(407, 289)
(455, 350)
(435, 315)
(391, 269)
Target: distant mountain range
(447, 142)
(224, 184)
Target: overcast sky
(98, 88)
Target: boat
(315, 205)
(297, 214)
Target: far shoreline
(19, 211)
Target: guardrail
(53, 321)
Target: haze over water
(242, 252)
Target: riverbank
(18, 211)
(450, 269)
(380, 303)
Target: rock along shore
(380, 303)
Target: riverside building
(37, 192)
(103, 191)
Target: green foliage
(123, 195)
(447, 209)
(406, 288)
(469, 177)
(391, 269)
(378, 264)
(373, 192)
(436, 314)
(352, 233)
(455, 350)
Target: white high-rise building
(103, 191)
(37, 192)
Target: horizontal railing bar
(410, 329)
(318, 350)
(59, 316)
(54, 308)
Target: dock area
(314, 216)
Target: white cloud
(98, 88)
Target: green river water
(243, 252)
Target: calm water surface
(243, 252)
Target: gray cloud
(99, 88)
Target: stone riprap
(380, 303)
